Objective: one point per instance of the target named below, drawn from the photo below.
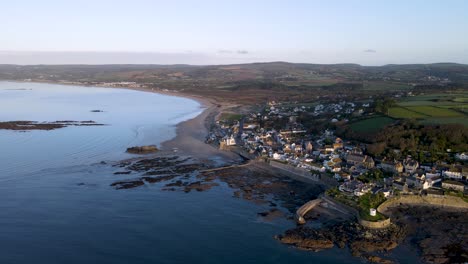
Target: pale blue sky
(372, 32)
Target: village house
(329, 148)
(427, 166)
(309, 147)
(277, 156)
(287, 148)
(338, 144)
(391, 166)
(401, 186)
(385, 191)
(298, 148)
(453, 185)
(359, 159)
(410, 165)
(350, 186)
(343, 176)
(431, 182)
(455, 172)
(413, 182)
(462, 156)
(362, 190)
(432, 174)
(231, 141)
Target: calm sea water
(48, 216)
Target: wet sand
(191, 134)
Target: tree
(377, 149)
(370, 200)
(383, 106)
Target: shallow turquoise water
(56, 205)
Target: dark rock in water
(439, 234)
(159, 178)
(307, 239)
(97, 111)
(177, 184)
(271, 214)
(375, 259)
(33, 125)
(142, 149)
(122, 172)
(199, 186)
(30, 125)
(127, 184)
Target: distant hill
(298, 80)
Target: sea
(57, 205)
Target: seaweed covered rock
(142, 149)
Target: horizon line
(227, 64)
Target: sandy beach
(191, 134)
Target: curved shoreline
(190, 134)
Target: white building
(231, 141)
(461, 156)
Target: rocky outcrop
(33, 125)
(362, 241)
(142, 149)
(440, 234)
(306, 238)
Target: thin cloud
(242, 52)
(370, 51)
(225, 51)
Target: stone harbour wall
(375, 224)
(441, 201)
(295, 171)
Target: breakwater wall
(303, 210)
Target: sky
(368, 32)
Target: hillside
(282, 80)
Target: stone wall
(375, 225)
(344, 208)
(300, 172)
(433, 200)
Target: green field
(446, 120)
(434, 111)
(447, 108)
(401, 112)
(461, 99)
(372, 124)
(379, 86)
